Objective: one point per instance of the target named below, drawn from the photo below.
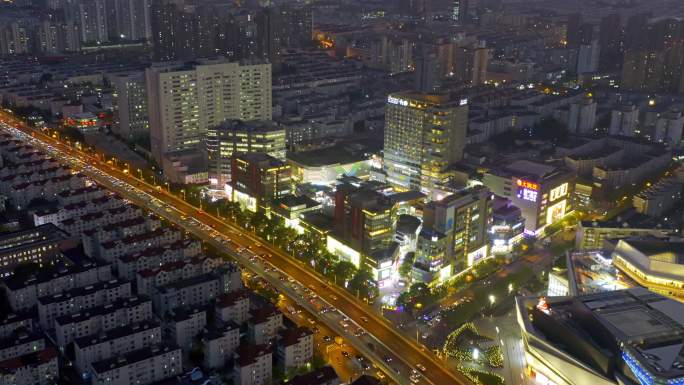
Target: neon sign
(394, 100)
(528, 195)
(528, 185)
(558, 192)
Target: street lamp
(141, 175)
(183, 191)
(476, 354)
(492, 299)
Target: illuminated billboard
(527, 190)
(397, 101)
(558, 192)
(556, 212)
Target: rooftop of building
(261, 159)
(248, 354)
(633, 322)
(31, 359)
(188, 282)
(342, 153)
(291, 202)
(116, 333)
(292, 336)
(263, 314)
(664, 186)
(213, 333)
(49, 274)
(184, 313)
(253, 126)
(230, 299)
(133, 357)
(107, 308)
(19, 336)
(629, 220)
(42, 233)
(12, 318)
(80, 291)
(408, 224)
(384, 254)
(664, 250)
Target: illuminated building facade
(40, 245)
(364, 216)
(543, 193)
(239, 137)
(507, 228)
(257, 179)
(657, 264)
(130, 96)
(364, 225)
(186, 99)
(459, 222)
(424, 134)
(625, 337)
(84, 122)
(591, 235)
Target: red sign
(528, 185)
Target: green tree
(363, 284)
(407, 265)
(343, 271)
(258, 222)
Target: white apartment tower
(185, 99)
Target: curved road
(412, 352)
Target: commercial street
(211, 229)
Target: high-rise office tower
(93, 21)
(163, 24)
(14, 38)
(654, 58)
(131, 19)
(130, 100)
(235, 137)
(459, 224)
(269, 27)
(459, 11)
(181, 31)
(184, 100)
(610, 40)
(636, 31)
(624, 120)
(470, 64)
(424, 135)
(588, 57)
(54, 37)
(428, 72)
(582, 116)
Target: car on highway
(388, 359)
(364, 318)
(346, 354)
(421, 367)
(327, 339)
